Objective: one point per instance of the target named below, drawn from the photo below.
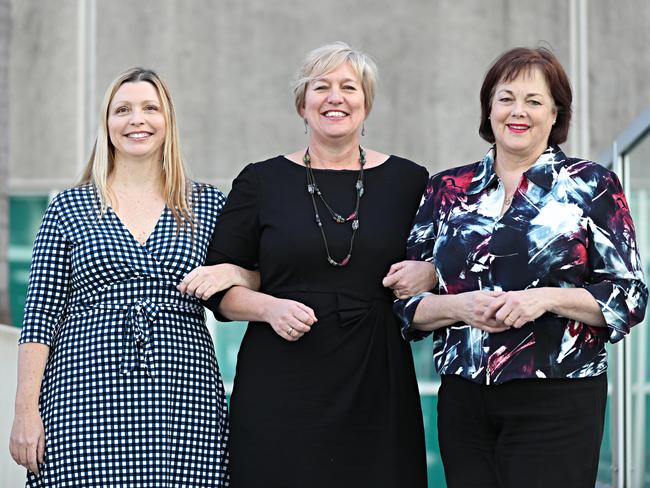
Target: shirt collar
(543, 172)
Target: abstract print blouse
(569, 225)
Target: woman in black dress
(325, 391)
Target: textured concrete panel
(619, 67)
(43, 90)
(229, 64)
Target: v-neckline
(128, 231)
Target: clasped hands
(491, 311)
(497, 311)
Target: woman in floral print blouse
(537, 268)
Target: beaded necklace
(312, 189)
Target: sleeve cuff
(405, 311)
(617, 307)
(213, 303)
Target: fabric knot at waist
(140, 315)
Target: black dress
(340, 406)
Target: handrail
(634, 132)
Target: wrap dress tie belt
(140, 316)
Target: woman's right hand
(204, 281)
(290, 319)
(473, 305)
(27, 440)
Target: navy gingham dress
(132, 395)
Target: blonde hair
(176, 188)
(329, 57)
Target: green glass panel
(605, 461)
(423, 359)
(25, 214)
(227, 337)
(638, 183)
(644, 450)
(436, 473)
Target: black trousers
(530, 433)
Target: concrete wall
(11, 475)
(619, 61)
(229, 63)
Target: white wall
(11, 475)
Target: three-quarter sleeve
(616, 280)
(236, 236)
(49, 280)
(419, 247)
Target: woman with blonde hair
(118, 383)
(325, 391)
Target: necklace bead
(312, 189)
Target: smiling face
(136, 122)
(334, 104)
(522, 115)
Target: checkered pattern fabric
(132, 395)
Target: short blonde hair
(176, 189)
(329, 57)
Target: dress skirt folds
(340, 406)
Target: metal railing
(623, 466)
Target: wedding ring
(290, 331)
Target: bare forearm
(32, 358)
(436, 311)
(288, 318)
(246, 278)
(241, 303)
(576, 304)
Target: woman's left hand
(408, 278)
(517, 308)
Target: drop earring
(363, 129)
(305, 121)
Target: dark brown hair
(523, 59)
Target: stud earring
(363, 129)
(306, 125)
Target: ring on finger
(290, 331)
